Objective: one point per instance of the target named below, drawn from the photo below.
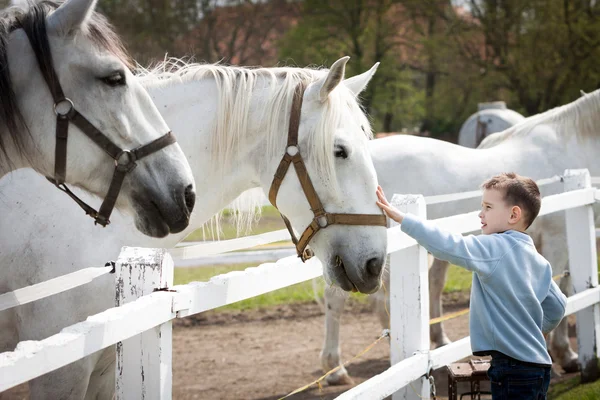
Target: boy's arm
(554, 308)
(476, 253)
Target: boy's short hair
(519, 191)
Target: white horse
(92, 94)
(491, 117)
(540, 147)
(233, 124)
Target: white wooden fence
(147, 302)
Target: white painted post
(144, 368)
(409, 301)
(581, 240)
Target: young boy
(514, 301)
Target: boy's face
(497, 216)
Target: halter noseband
(125, 160)
(322, 219)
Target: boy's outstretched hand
(391, 211)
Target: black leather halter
(125, 160)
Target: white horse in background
(490, 118)
(91, 67)
(541, 146)
(232, 122)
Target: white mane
(237, 86)
(580, 118)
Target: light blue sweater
(513, 296)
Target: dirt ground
(265, 354)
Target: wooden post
(144, 368)
(581, 240)
(409, 301)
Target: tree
(543, 51)
(452, 86)
(328, 30)
(150, 28)
(409, 38)
(241, 32)
(234, 31)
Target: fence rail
(35, 358)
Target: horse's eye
(114, 79)
(340, 152)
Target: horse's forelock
(340, 103)
(10, 115)
(103, 34)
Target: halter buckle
(292, 150)
(101, 220)
(322, 221)
(307, 254)
(125, 160)
(66, 101)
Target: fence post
(409, 300)
(581, 240)
(144, 369)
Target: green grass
(458, 280)
(572, 389)
(201, 274)
(299, 293)
(270, 220)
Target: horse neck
(451, 168)
(566, 135)
(578, 119)
(190, 110)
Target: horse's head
(92, 70)
(332, 140)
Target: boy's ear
(515, 214)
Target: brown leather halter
(125, 160)
(322, 219)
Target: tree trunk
(430, 78)
(388, 118)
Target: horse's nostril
(374, 266)
(190, 198)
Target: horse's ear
(71, 15)
(333, 78)
(358, 83)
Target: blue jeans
(513, 380)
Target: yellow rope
(448, 316)
(384, 334)
(566, 273)
(417, 393)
